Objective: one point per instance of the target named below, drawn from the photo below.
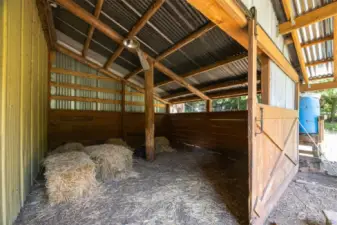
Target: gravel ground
(305, 199)
(189, 187)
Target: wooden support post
(168, 108)
(252, 103)
(297, 96)
(265, 79)
(123, 110)
(209, 106)
(149, 114)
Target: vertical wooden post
(297, 96)
(123, 110)
(209, 106)
(168, 108)
(149, 114)
(252, 105)
(265, 79)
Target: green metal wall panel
(23, 106)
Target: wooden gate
(274, 159)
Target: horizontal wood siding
(219, 131)
(87, 127)
(134, 127)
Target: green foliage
(330, 126)
(329, 102)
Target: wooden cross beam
(317, 41)
(178, 46)
(314, 63)
(98, 10)
(296, 40)
(213, 87)
(87, 17)
(135, 29)
(308, 18)
(207, 68)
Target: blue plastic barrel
(309, 114)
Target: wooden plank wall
(87, 127)
(134, 125)
(219, 131)
(95, 127)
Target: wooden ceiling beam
(314, 63)
(207, 68)
(317, 41)
(223, 94)
(212, 87)
(203, 30)
(135, 29)
(95, 66)
(335, 47)
(296, 41)
(97, 12)
(46, 18)
(318, 87)
(108, 31)
(322, 77)
(308, 18)
(231, 19)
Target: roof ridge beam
(108, 31)
(135, 29)
(195, 35)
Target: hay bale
(113, 162)
(68, 147)
(69, 175)
(118, 141)
(162, 144)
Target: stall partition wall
(24, 103)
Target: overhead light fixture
(133, 44)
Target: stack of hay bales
(68, 147)
(113, 162)
(118, 141)
(69, 175)
(162, 144)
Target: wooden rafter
(95, 66)
(308, 18)
(317, 41)
(213, 87)
(178, 46)
(135, 29)
(99, 25)
(97, 12)
(322, 77)
(232, 19)
(207, 68)
(314, 63)
(318, 87)
(221, 94)
(46, 19)
(296, 41)
(335, 47)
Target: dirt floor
(188, 187)
(305, 199)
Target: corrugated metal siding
(66, 62)
(24, 74)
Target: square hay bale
(68, 147)
(118, 141)
(69, 175)
(113, 162)
(162, 144)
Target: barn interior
(92, 87)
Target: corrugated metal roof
(312, 32)
(174, 21)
